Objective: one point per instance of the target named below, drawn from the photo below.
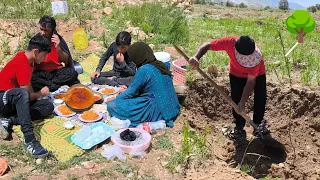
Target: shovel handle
(217, 88)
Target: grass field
(265, 31)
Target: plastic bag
(138, 154)
(119, 124)
(110, 152)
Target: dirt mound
(205, 100)
(299, 134)
(303, 103)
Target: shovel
(266, 140)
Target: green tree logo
(300, 23)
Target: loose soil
(296, 126)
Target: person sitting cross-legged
(18, 101)
(151, 96)
(58, 68)
(123, 67)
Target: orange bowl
(79, 98)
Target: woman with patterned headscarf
(151, 96)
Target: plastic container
(89, 136)
(68, 125)
(152, 126)
(179, 72)
(80, 39)
(83, 133)
(140, 146)
(59, 7)
(164, 57)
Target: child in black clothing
(123, 68)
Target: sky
(306, 3)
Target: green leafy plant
(5, 47)
(163, 142)
(193, 144)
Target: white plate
(98, 119)
(59, 113)
(108, 97)
(102, 89)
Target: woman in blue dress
(151, 96)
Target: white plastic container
(164, 57)
(83, 133)
(68, 125)
(59, 7)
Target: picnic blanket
(75, 119)
(55, 138)
(51, 133)
(89, 66)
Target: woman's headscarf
(140, 53)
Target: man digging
(247, 74)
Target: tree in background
(300, 23)
(313, 9)
(229, 4)
(242, 5)
(267, 7)
(283, 5)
